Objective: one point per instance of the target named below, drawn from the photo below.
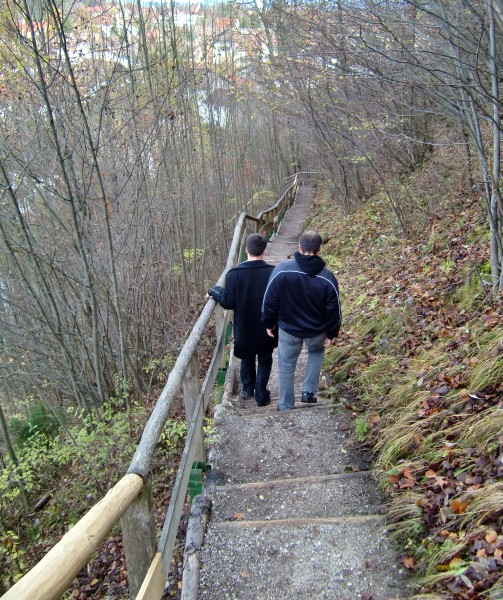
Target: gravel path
(295, 515)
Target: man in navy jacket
(243, 293)
(302, 300)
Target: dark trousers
(255, 377)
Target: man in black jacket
(244, 289)
(302, 299)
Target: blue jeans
(254, 378)
(289, 348)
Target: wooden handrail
(55, 572)
(126, 500)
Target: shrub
(39, 421)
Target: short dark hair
(310, 241)
(256, 244)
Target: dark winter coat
(302, 297)
(243, 293)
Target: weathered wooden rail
(130, 501)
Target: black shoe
(266, 402)
(308, 398)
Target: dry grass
(481, 430)
(403, 514)
(496, 592)
(421, 390)
(484, 504)
(426, 597)
(489, 370)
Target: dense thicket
(125, 157)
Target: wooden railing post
(219, 323)
(138, 532)
(191, 389)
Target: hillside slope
(420, 361)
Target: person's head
(310, 242)
(256, 244)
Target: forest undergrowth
(68, 473)
(420, 363)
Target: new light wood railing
(130, 501)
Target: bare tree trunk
(4, 430)
(102, 198)
(89, 284)
(496, 207)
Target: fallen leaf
(458, 507)
(430, 473)
(408, 562)
(407, 473)
(456, 563)
(406, 483)
(238, 516)
(491, 536)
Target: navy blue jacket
(302, 297)
(243, 293)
